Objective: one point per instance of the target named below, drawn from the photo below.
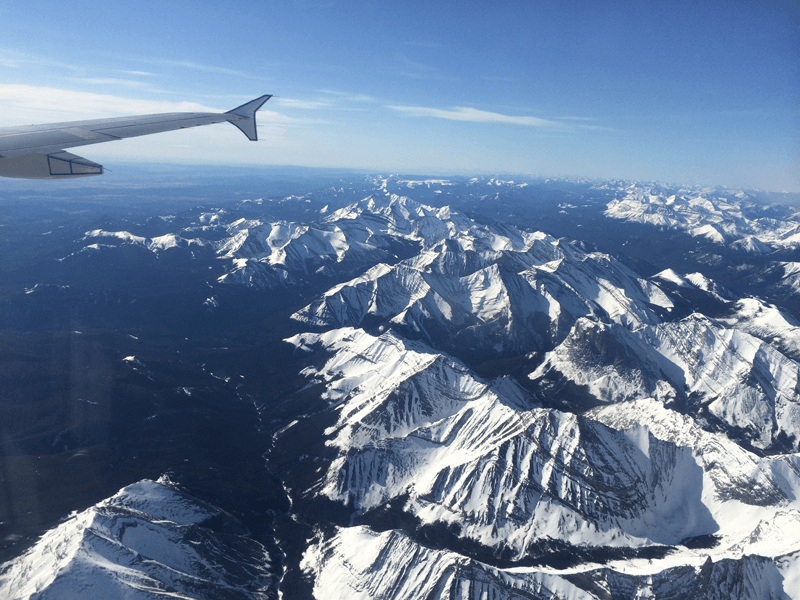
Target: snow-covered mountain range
(661, 472)
(517, 481)
(464, 408)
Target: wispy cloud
(406, 67)
(586, 123)
(209, 68)
(14, 59)
(297, 103)
(474, 115)
(20, 104)
(108, 81)
(140, 73)
(414, 65)
(327, 100)
(349, 97)
(188, 64)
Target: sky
(684, 92)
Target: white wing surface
(37, 151)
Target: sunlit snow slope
(148, 541)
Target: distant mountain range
(722, 217)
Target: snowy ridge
(292, 248)
(788, 274)
(606, 362)
(266, 254)
(390, 565)
(508, 300)
(355, 236)
(387, 387)
(751, 245)
(767, 322)
(767, 485)
(725, 218)
(745, 383)
(508, 475)
(357, 563)
(512, 479)
(696, 281)
(741, 380)
(511, 475)
(148, 542)
(155, 244)
(272, 254)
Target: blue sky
(701, 92)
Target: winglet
(247, 124)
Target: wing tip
(247, 125)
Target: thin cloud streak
(417, 70)
(407, 62)
(349, 97)
(209, 68)
(108, 81)
(188, 64)
(14, 59)
(334, 101)
(463, 113)
(306, 104)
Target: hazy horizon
(684, 93)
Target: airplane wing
(37, 151)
